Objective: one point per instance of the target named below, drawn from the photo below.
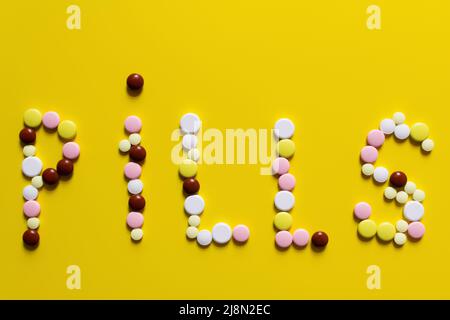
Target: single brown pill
(137, 153)
(136, 202)
(398, 179)
(30, 237)
(135, 81)
(50, 176)
(191, 186)
(319, 239)
(27, 135)
(64, 167)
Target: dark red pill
(27, 135)
(64, 167)
(137, 153)
(191, 186)
(50, 176)
(30, 238)
(136, 202)
(135, 81)
(319, 239)
(398, 179)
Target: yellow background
(243, 64)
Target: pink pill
(132, 170)
(283, 239)
(135, 220)
(416, 230)
(50, 120)
(362, 210)
(31, 208)
(280, 166)
(300, 237)
(133, 124)
(375, 138)
(71, 150)
(369, 154)
(286, 182)
(241, 233)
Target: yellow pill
(420, 131)
(386, 231)
(367, 228)
(32, 118)
(188, 168)
(286, 148)
(67, 129)
(282, 221)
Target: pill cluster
(132, 172)
(400, 188)
(194, 204)
(285, 199)
(32, 166)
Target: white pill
(410, 187)
(399, 117)
(284, 200)
(33, 223)
(194, 154)
(284, 129)
(380, 174)
(194, 204)
(194, 221)
(390, 193)
(135, 186)
(427, 145)
(137, 234)
(37, 182)
(204, 238)
(189, 142)
(402, 131)
(31, 166)
(124, 145)
(401, 197)
(191, 232)
(135, 139)
(413, 211)
(30, 192)
(401, 226)
(29, 151)
(367, 169)
(400, 239)
(419, 195)
(221, 233)
(190, 123)
(387, 126)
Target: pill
(132, 170)
(50, 120)
(284, 200)
(282, 221)
(133, 124)
(124, 145)
(386, 231)
(300, 237)
(399, 118)
(204, 237)
(194, 154)
(138, 153)
(375, 138)
(427, 145)
(221, 233)
(367, 228)
(419, 131)
(29, 150)
(64, 167)
(50, 176)
(191, 232)
(402, 131)
(188, 168)
(390, 193)
(283, 239)
(284, 128)
(135, 186)
(419, 195)
(280, 166)
(135, 220)
(31, 166)
(194, 204)
(191, 186)
(67, 129)
(31, 208)
(135, 81)
(400, 239)
(285, 148)
(401, 197)
(27, 135)
(380, 174)
(135, 139)
(362, 210)
(369, 154)
(137, 234)
(30, 238)
(416, 230)
(189, 141)
(241, 233)
(32, 118)
(136, 202)
(413, 211)
(319, 239)
(71, 150)
(398, 179)
(401, 226)
(190, 123)
(367, 169)
(194, 221)
(410, 187)
(286, 182)
(30, 193)
(387, 126)
(37, 182)
(33, 223)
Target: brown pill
(50, 176)
(135, 81)
(30, 238)
(136, 202)
(64, 167)
(319, 239)
(398, 179)
(27, 135)
(191, 186)
(137, 153)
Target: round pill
(419, 195)
(124, 145)
(194, 204)
(194, 221)
(362, 210)
(399, 118)
(413, 211)
(221, 233)
(375, 138)
(33, 223)
(188, 168)
(241, 233)
(367, 228)
(32, 118)
(191, 186)
(189, 141)
(427, 145)
(137, 153)
(419, 131)
(135, 220)
(67, 129)
(369, 154)
(380, 174)
(30, 238)
(136, 202)
(71, 150)
(400, 239)
(401, 197)
(280, 166)
(137, 234)
(367, 169)
(285, 148)
(64, 167)
(50, 120)
(398, 179)
(300, 237)
(132, 170)
(204, 238)
(402, 131)
(319, 239)
(194, 154)
(282, 221)
(27, 135)
(133, 124)
(387, 126)
(286, 182)
(401, 226)
(283, 239)
(284, 129)
(31, 208)
(135, 139)
(135, 186)
(135, 81)
(416, 230)
(284, 200)
(386, 231)
(31, 166)
(390, 193)
(30, 193)
(29, 150)
(190, 123)
(410, 187)
(50, 176)
(37, 182)
(191, 232)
